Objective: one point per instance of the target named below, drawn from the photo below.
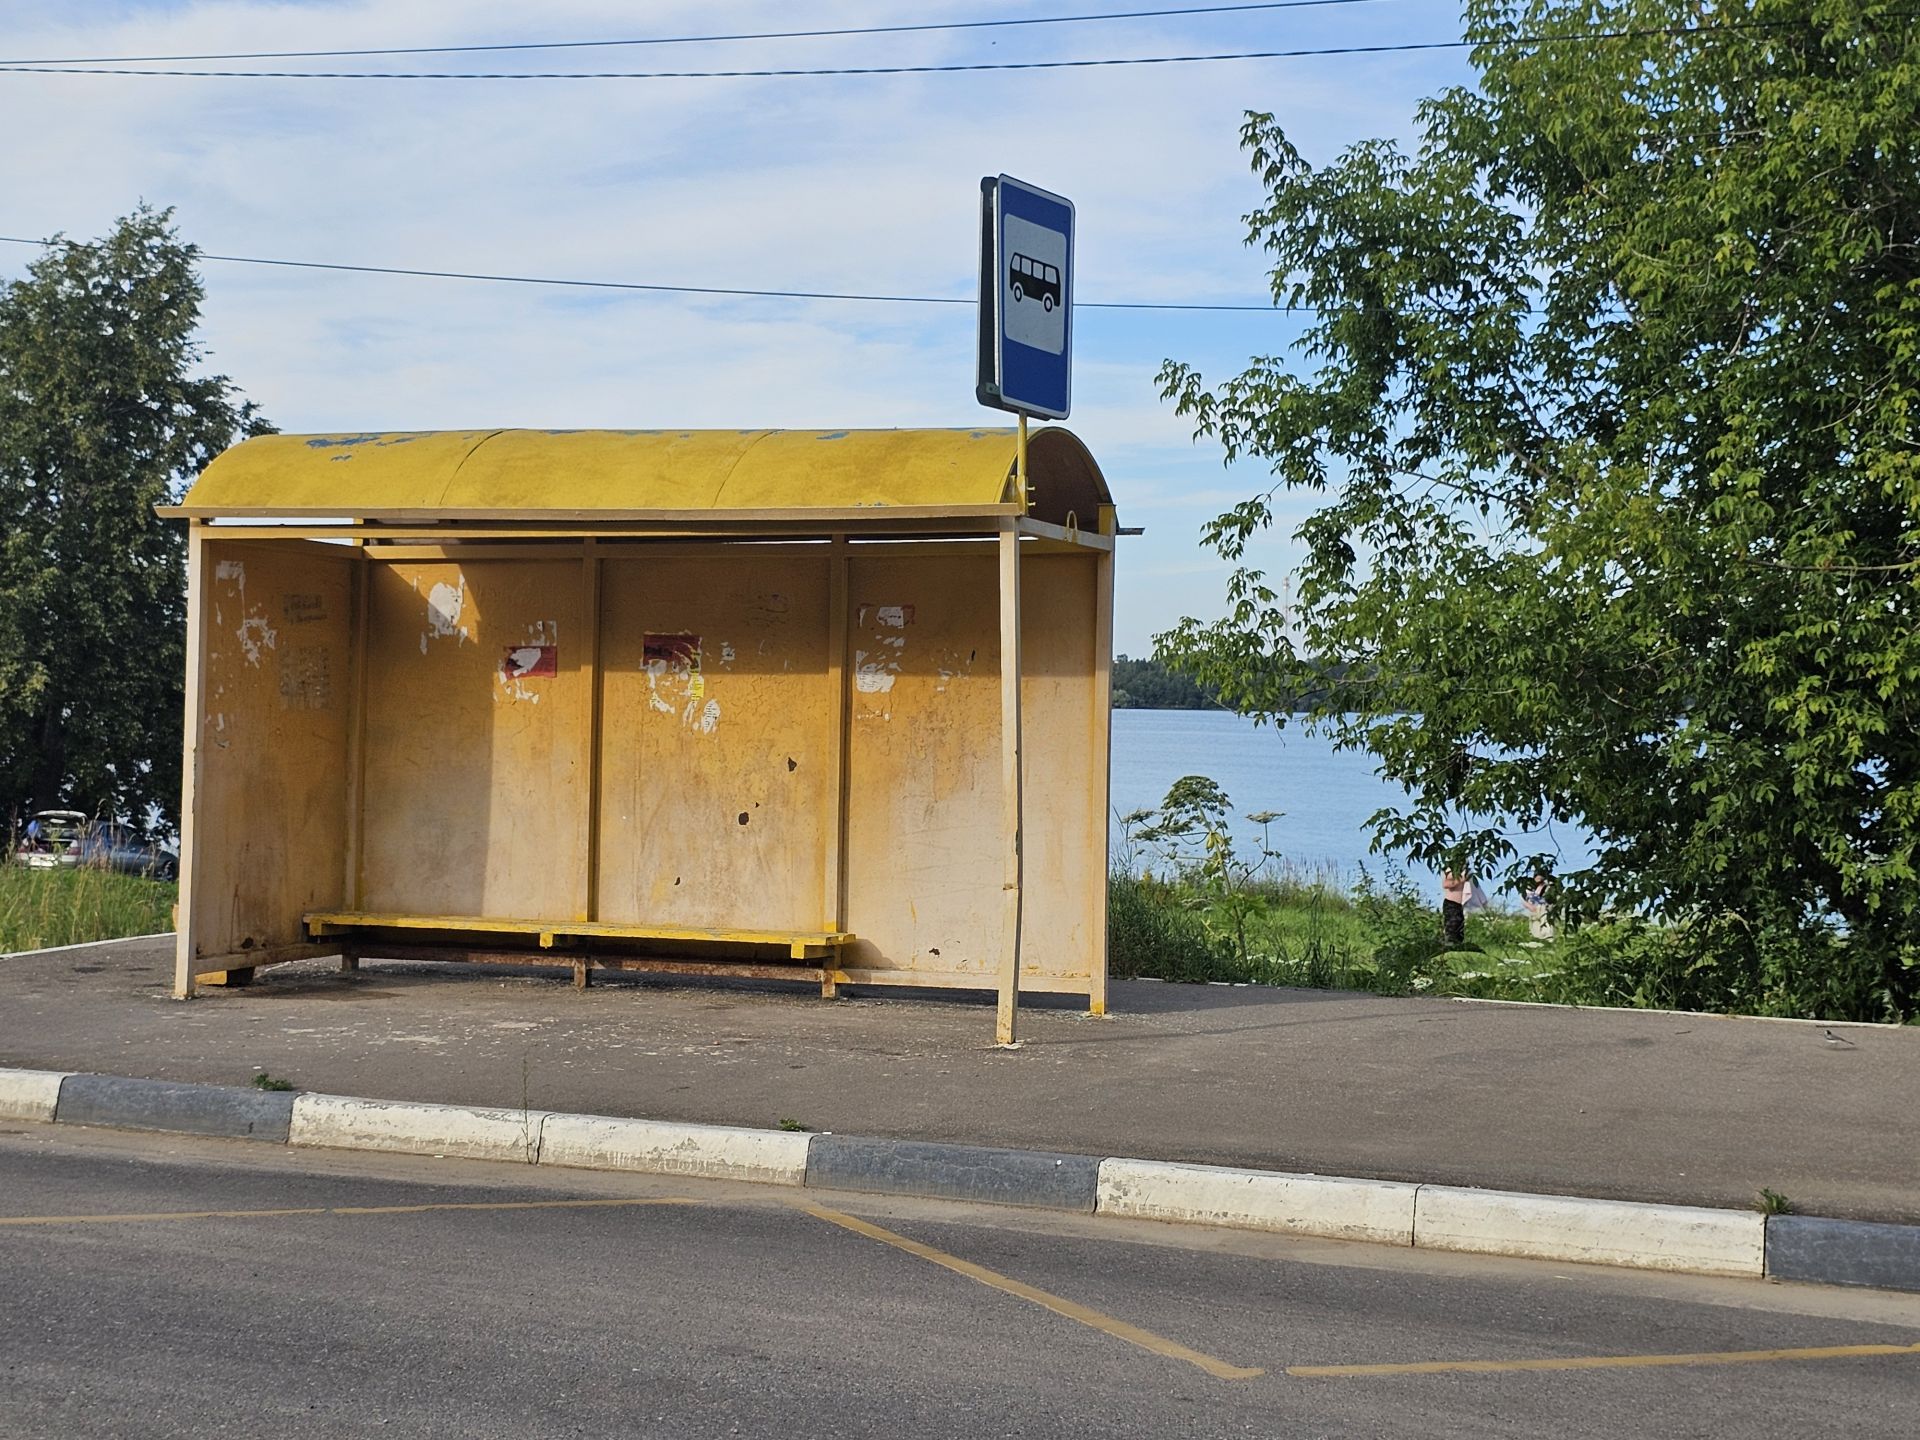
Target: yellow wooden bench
(455, 934)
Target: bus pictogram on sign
(1027, 277)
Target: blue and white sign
(1026, 299)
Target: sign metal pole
(1026, 366)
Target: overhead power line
(1405, 47)
(695, 39)
(736, 291)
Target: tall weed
(43, 908)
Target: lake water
(1326, 796)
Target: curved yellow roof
(646, 475)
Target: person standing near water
(1455, 890)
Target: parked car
(52, 840)
(60, 838)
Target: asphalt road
(383, 1295)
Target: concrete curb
(30, 1094)
(166, 1105)
(1437, 1217)
(1596, 1232)
(712, 1152)
(345, 1122)
(954, 1172)
(1843, 1252)
(1381, 1211)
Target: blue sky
(835, 183)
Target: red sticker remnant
(524, 661)
(670, 652)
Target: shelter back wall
(720, 714)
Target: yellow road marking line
(1601, 1362)
(339, 1210)
(1107, 1324)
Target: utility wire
(1405, 47)
(694, 39)
(724, 290)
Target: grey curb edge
(1035, 1178)
(1802, 1248)
(169, 1105)
(1843, 1252)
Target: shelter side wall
(1064, 766)
(270, 806)
(719, 719)
(926, 854)
(476, 739)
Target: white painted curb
(1381, 1211)
(30, 1094)
(343, 1122)
(713, 1152)
(1595, 1232)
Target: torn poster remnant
(675, 683)
(306, 678)
(530, 660)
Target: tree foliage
(1613, 408)
(103, 415)
(1150, 685)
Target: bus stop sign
(1026, 299)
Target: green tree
(1149, 685)
(103, 415)
(1613, 407)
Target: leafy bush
(1405, 932)
(1803, 972)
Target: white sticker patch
(444, 606)
(873, 675)
(256, 635)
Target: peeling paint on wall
(950, 663)
(873, 675)
(874, 668)
(256, 634)
(444, 606)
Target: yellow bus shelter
(767, 703)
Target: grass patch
(1384, 936)
(43, 908)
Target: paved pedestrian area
(1679, 1108)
